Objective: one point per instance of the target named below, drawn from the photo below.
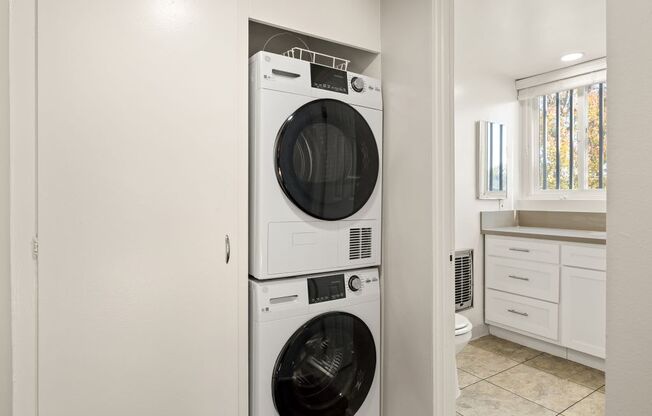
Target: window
(572, 139)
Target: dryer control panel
(269, 71)
(329, 79)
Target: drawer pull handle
(517, 312)
(525, 279)
(285, 73)
(520, 250)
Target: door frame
(23, 98)
(443, 195)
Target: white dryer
(315, 168)
(314, 345)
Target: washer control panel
(282, 298)
(355, 283)
(326, 288)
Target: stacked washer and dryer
(315, 228)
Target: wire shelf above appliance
(318, 58)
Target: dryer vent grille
(359, 243)
(463, 279)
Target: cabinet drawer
(526, 278)
(522, 249)
(584, 256)
(523, 314)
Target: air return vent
(463, 279)
(359, 243)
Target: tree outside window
(573, 139)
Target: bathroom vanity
(546, 288)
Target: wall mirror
(492, 160)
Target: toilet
(463, 329)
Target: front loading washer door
(326, 368)
(327, 160)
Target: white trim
(481, 163)
(527, 341)
(241, 243)
(552, 349)
(22, 98)
(582, 122)
(529, 161)
(561, 205)
(586, 359)
(568, 195)
(443, 204)
(479, 331)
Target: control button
(355, 283)
(357, 84)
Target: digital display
(329, 79)
(323, 289)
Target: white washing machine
(314, 345)
(315, 168)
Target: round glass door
(327, 159)
(326, 368)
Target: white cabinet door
(137, 134)
(583, 306)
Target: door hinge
(35, 247)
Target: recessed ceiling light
(572, 56)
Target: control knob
(355, 283)
(357, 84)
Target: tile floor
(501, 378)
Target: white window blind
(588, 73)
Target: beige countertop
(581, 236)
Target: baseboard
(534, 343)
(586, 359)
(480, 331)
(552, 349)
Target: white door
(137, 308)
(583, 306)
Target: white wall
(480, 94)
(629, 203)
(355, 23)
(417, 209)
(407, 213)
(5, 298)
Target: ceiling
(521, 38)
